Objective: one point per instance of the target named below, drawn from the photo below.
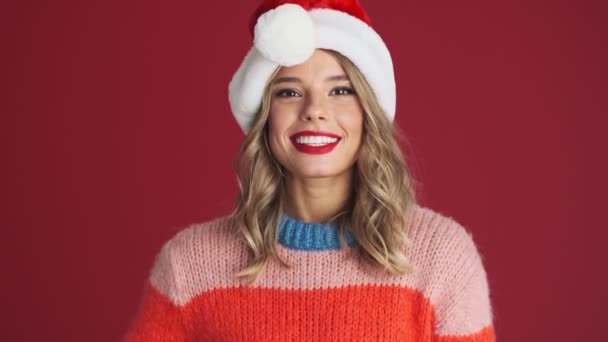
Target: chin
(321, 172)
(314, 174)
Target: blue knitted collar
(299, 235)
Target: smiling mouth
(315, 142)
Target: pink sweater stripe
(448, 270)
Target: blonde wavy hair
(383, 191)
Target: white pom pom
(285, 35)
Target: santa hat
(287, 32)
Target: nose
(313, 110)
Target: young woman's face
(315, 120)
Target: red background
(116, 132)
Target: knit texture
(298, 235)
(328, 294)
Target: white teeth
(315, 140)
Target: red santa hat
(287, 32)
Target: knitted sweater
(327, 295)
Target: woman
(327, 241)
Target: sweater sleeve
(463, 312)
(158, 317)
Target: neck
(317, 199)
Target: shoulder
(196, 236)
(443, 254)
(200, 244)
(435, 237)
(206, 234)
(450, 271)
(190, 261)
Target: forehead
(321, 64)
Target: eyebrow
(298, 80)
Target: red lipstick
(298, 140)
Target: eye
(343, 91)
(287, 93)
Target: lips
(315, 142)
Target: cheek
(277, 126)
(352, 122)
(278, 118)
